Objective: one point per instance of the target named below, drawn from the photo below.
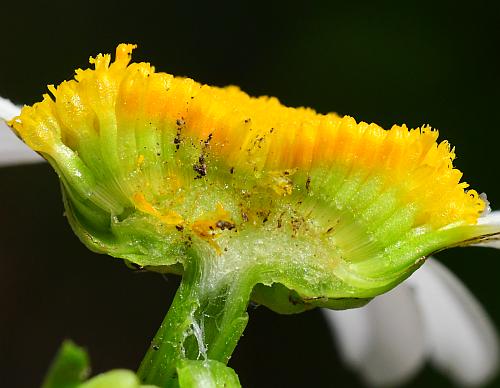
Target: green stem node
(205, 321)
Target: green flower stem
(234, 319)
(205, 321)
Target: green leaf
(206, 374)
(119, 378)
(69, 368)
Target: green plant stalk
(205, 321)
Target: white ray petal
(384, 340)
(461, 339)
(12, 150)
(492, 218)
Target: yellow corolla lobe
(209, 224)
(168, 217)
(137, 111)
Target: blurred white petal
(12, 150)
(462, 341)
(430, 316)
(7, 109)
(383, 341)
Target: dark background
(388, 62)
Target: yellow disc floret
(117, 101)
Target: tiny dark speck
(225, 225)
(209, 139)
(200, 167)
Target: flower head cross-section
(323, 210)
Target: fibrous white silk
(431, 316)
(12, 150)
